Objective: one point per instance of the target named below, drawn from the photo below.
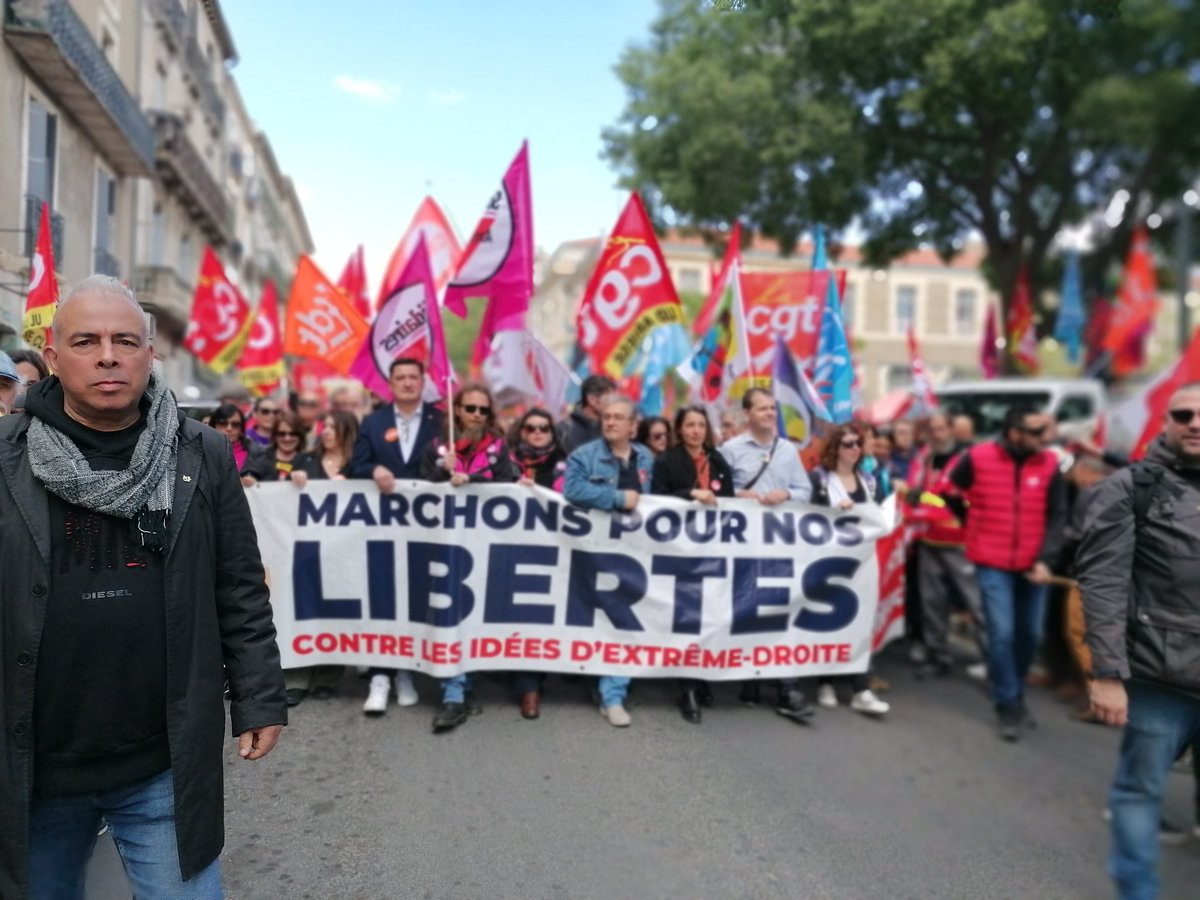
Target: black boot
(792, 704)
(689, 706)
(704, 691)
(749, 694)
(449, 715)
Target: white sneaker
(406, 692)
(868, 704)
(377, 697)
(977, 671)
(616, 715)
(917, 653)
(826, 696)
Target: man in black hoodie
(130, 586)
(582, 426)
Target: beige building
(946, 304)
(133, 128)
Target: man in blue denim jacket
(611, 473)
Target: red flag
(311, 375)
(220, 319)
(1143, 413)
(630, 294)
(1021, 330)
(441, 241)
(42, 298)
(989, 353)
(921, 388)
(1136, 309)
(788, 304)
(260, 367)
(353, 281)
(733, 251)
(321, 322)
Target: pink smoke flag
(409, 324)
(497, 262)
(989, 353)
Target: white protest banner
(447, 580)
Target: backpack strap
(1147, 480)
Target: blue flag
(833, 373)
(820, 260)
(1068, 328)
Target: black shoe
(689, 706)
(704, 692)
(1009, 723)
(474, 707)
(295, 696)
(449, 716)
(937, 668)
(749, 694)
(1027, 718)
(792, 705)
(1169, 835)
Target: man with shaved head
(1138, 567)
(130, 587)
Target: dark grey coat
(218, 619)
(1141, 592)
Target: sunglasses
(309, 403)
(537, 429)
(280, 434)
(267, 411)
(851, 445)
(1034, 432)
(1183, 416)
(475, 410)
(658, 436)
(227, 423)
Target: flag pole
(450, 416)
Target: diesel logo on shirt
(102, 595)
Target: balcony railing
(172, 20)
(106, 264)
(33, 219)
(184, 172)
(163, 291)
(60, 51)
(200, 73)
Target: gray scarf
(144, 491)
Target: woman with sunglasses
(251, 461)
(655, 433)
(839, 482)
(540, 460)
(692, 470)
(284, 456)
(477, 456)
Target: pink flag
(441, 241)
(409, 324)
(989, 353)
(497, 262)
(354, 282)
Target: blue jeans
(454, 690)
(1161, 723)
(62, 833)
(613, 689)
(1014, 608)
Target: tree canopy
(921, 121)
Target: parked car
(1075, 403)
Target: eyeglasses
(1183, 416)
(475, 410)
(309, 403)
(615, 417)
(536, 429)
(851, 445)
(283, 434)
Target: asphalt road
(926, 804)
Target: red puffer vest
(1007, 518)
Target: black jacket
(218, 619)
(675, 474)
(1141, 586)
(576, 430)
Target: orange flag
(220, 319)
(260, 368)
(1137, 305)
(42, 298)
(321, 321)
(1022, 330)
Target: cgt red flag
(1136, 308)
(921, 388)
(353, 281)
(629, 295)
(1021, 329)
(220, 319)
(260, 367)
(42, 298)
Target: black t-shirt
(627, 474)
(100, 706)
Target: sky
(369, 106)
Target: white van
(1075, 403)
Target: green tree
(919, 120)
